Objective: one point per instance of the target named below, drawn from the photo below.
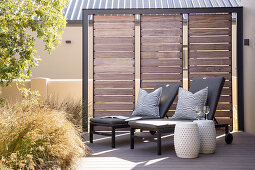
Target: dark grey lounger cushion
(148, 103)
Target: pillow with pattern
(148, 103)
(188, 102)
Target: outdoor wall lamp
(68, 41)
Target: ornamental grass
(35, 136)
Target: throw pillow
(188, 102)
(148, 103)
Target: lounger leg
(113, 137)
(226, 129)
(159, 143)
(91, 131)
(132, 138)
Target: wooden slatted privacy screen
(113, 65)
(161, 50)
(210, 55)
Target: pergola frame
(239, 47)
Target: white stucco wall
(249, 63)
(66, 61)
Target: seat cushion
(188, 102)
(148, 103)
(116, 121)
(156, 124)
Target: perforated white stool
(207, 136)
(186, 140)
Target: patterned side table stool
(207, 136)
(186, 140)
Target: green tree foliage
(21, 21)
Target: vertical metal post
(85, 72)
(137, 55)
(240, 78)
(90, 67)
(185, 37)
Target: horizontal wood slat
(173, 32)
(221, 39)
(210, 46)
(113, 33)
(160, 40)
(114, 76)
(202, 75)
(161, 18)
(161, 76)
(161, 54)
(115, 70)
(210, 62)
(114, 91)
(209, 69)
(145, 84)
(114, 84)
(113, 40)
(210, 24)
(156, 63)
(210, 17)
(114, 25)
(110, 106)
(113, 18)
(161, 70)
(114, 47)
(209, 54)
(111, 113)
(203, 32)
(117, 62)
(114, 99)
(122, 54)
(161, 47)
(161, 25)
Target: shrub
(34, 136)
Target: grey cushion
(187, 102)
(148, 103)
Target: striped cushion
(148, 103)
(187, 102)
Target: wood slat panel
(210, 46)
(113, 40)
(114, 76)
(210, 24)
(161, 47)
(114, 18)
(173, 32)
(203, 32)
(114, 99)
(161, 55)
(221, 39)
(114, 84)
(161, 25)
(114, 91)
(161, 76)
(226, 91)
(209, 69)
(114, 54)
(210, 61)
(161, 18)
(113, 25)
(223, 114)
(110, 106)
(160, 40)
(161, 70)
(110, 62)
(225, 99)
(209, 54)
(209, 17)
(103, 69)
(225, 120)
(224, 106)
(113, 33)
(156, 63)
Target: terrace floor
(239, 155)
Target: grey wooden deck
(239, 155)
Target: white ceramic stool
(207, 136)
(186, 140)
